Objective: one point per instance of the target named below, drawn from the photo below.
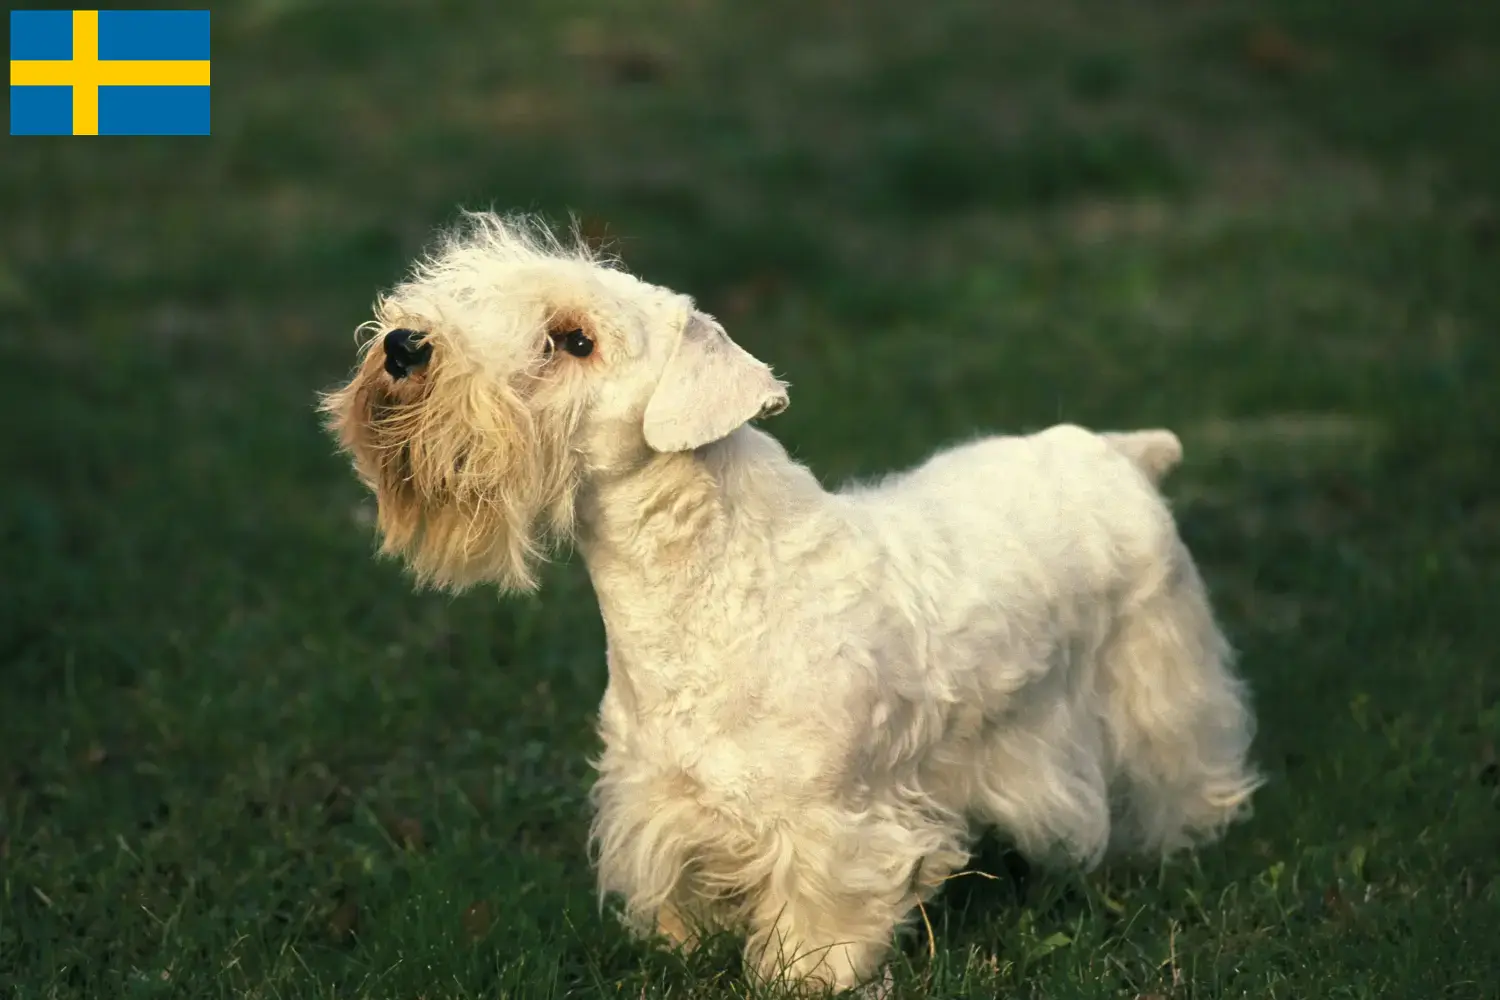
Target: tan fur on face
(471, 484)
(472, 457)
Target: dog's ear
(710, 386)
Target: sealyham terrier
(815, 700)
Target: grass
(241, 758)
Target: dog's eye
(575, 342)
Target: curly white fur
(815, 699)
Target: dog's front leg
(828, 922)
(672, 925)
(687, 916)
(817, 943)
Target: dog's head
(506, 370)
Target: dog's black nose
(403, 352)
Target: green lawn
(240, 757)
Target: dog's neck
(657, 539)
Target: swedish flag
(109, 72)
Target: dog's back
(1080, 508)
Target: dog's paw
(883, 987)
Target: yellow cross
(86, 73)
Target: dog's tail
(1155, 452)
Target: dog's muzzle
(403, 353)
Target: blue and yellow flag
(109, 72)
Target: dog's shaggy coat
(815, 699)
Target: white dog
(815, 699)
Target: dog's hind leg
(1039, 779)
(1175, 716)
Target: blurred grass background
(239, 757)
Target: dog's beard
(474, 481)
